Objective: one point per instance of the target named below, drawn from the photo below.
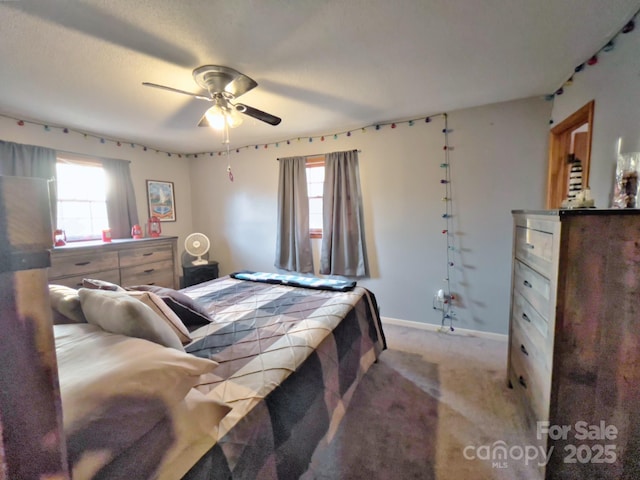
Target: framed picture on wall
(162, 202)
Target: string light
(593, 60)
(86, 135)
(336, 136)
(447, 299)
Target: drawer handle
(149, 270)
(82, 264)
(529, 246)
(526, 317)
(151, 283)
(527, 284)
(521, 381)
(524, 350)
(147, 254)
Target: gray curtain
(121, 198)
(293, 247)
(31, 161)
(343, 245)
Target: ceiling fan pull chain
(226, 141)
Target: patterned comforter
(289, 361)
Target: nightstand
(194, 274)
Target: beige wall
(613, 83)
(144, 165)
(498, 164)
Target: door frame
(559, 148)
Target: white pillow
(65, 305)
(118, 312)
(95, 366)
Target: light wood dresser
(574, 333)
(126, 262)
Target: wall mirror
(569, 139)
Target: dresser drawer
(535, 288)
(112, 276)
(80, 264)
(533, 354)
(156, 273)
(530, 373)
(535, 248)
(528, 318)
(529, 395)
(142, 255)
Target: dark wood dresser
(126, 262)
(574, 352)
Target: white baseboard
(437, 328)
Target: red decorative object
(593, 60)
(136, 231)
(154, 228)
(59, 238)
(106, 235)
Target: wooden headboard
(33, 443)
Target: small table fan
(196, 245)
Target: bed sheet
(128, 404)
(289, 361)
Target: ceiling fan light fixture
(216, 117)
(223, 112)
(234, 119)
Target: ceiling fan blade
(258, 114)
(175, 90)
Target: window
(82, 206)
(315, 186)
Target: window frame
(315, 162)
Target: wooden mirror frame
(559, 148)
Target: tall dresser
(126, 262)
(574, 339)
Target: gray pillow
(65, 305)
(101, 285)
(190, 312)
(118, 312)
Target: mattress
(289, 361)
(255, 392)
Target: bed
(261, 383)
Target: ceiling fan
(223, 85)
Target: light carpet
(429, 397)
